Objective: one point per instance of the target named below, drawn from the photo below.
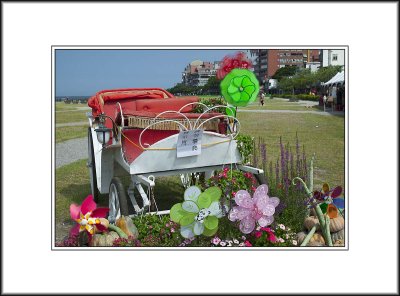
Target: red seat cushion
(173, 104)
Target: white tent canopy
(338, 78)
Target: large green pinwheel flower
(240, 87)
(199, 213)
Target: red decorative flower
(239, 60)
(88, 217)
(248, 244)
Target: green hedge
(305, 97)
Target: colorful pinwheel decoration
(199, 213)
(89, 217)
(240, 87)
(329, 200)
(260, 209)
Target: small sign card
(189, 143)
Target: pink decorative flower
(260, 208)
(258, 234)
(248, 244)
(88, 217)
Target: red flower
(88, 217)
(248, 244)
(258, 234)
(271, 237)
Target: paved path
(72, 124)
(71, 151)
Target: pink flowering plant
(231, 181)
(234, 242)
(276, 235)
(157, 230)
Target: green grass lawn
(61, 106)
(322, 135)
(68, 113)
(279, 104)
(70, 132)
(71, 116)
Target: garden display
(233, 196)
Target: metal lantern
(103, 133)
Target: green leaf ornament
(240, 87)
(199, 212)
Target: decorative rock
(300, 237)
(315, 244)
(103, 239)
(337, 235)
(339, 243)
(309, 223)
(317, 240)
(336, 224)
(127, 226)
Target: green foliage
(157, 230)
(285, 72)
(277, 235)
(184, 89)
(211, 102)
(326, 73)
(231, 181)
(245, 144)
(212, 86)
(306, 79)
(305, 97)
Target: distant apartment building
(198, 72)
(332, 57)
(268, 61)
(279, 58)
(259, 58)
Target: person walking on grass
(262, 98)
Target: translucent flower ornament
(260, 209)
(199, 213)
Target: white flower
(229, 243)
(241, 245)
(287, 236)
(222, 244)
(281, 226)
(235, 241)
(294, 242)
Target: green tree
(326, 73)
(285, 72)
(181, 88)
(212, 86)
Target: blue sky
(84, 72)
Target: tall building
(259, 58)
(198, 72)
(279, 58)
(332, 57)
(267, 61)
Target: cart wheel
(117, 202)
(92, 168)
